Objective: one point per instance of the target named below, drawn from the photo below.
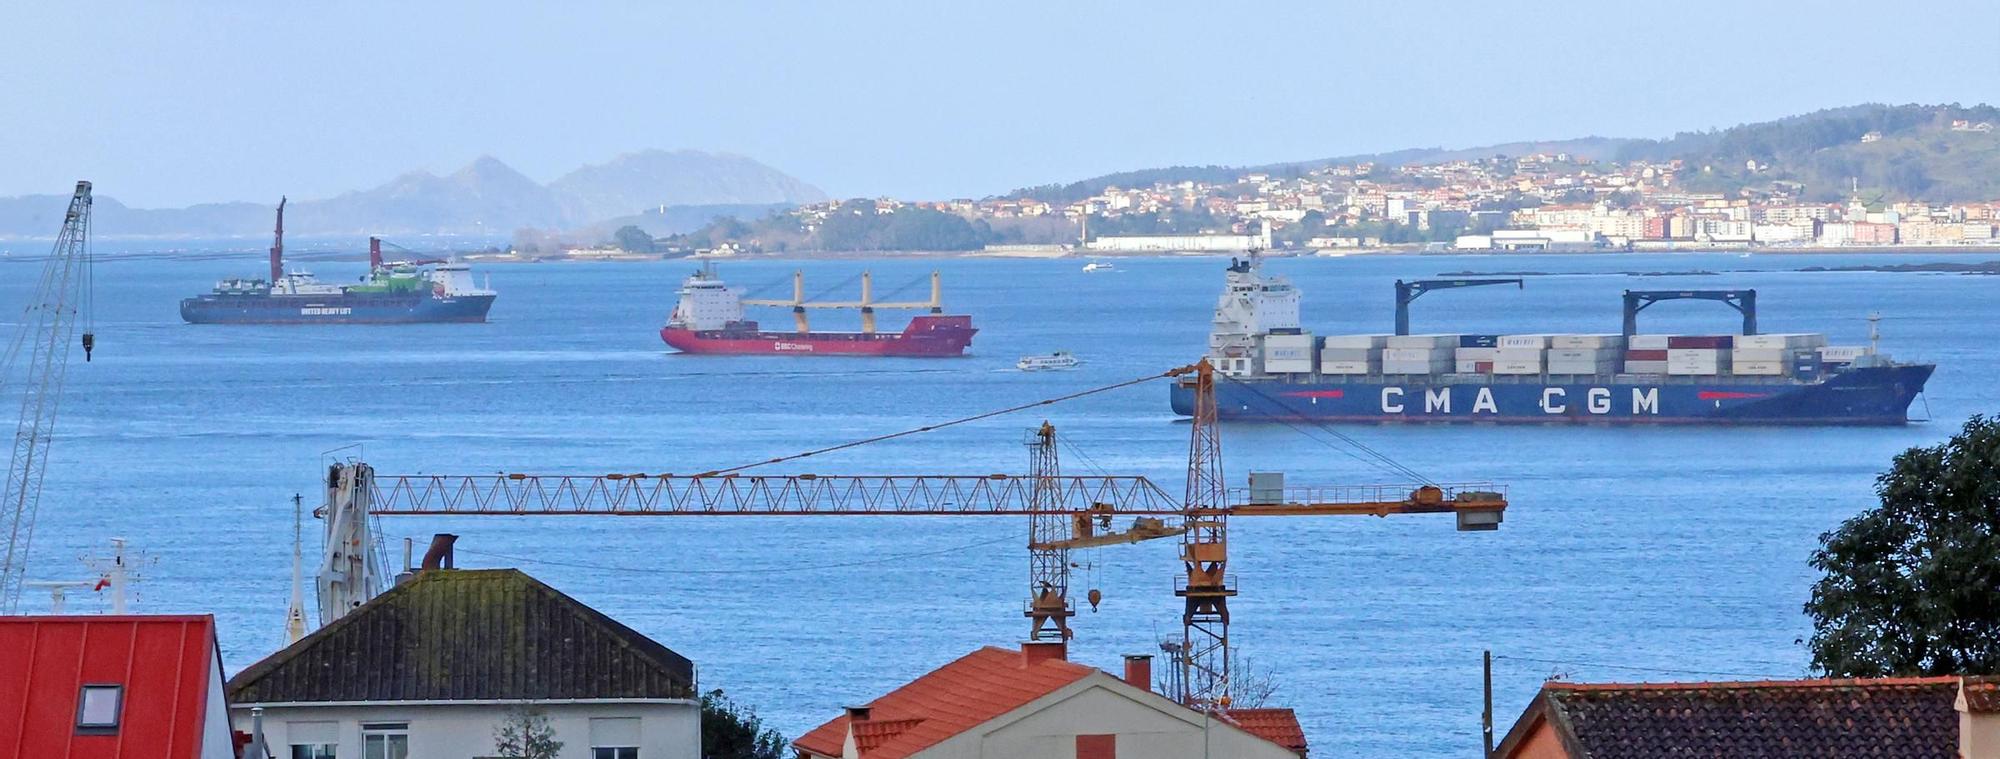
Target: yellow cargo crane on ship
(1066, 512)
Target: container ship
(1275, 370)
(709, 319)
(398, 292)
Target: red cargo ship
(709, 319)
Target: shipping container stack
(1290, 353)
(1646, 354)
(1520, 354)
(1351, 354)
(1476, 354)
(1419, 354)
(1699, 355)
(1775, 355)
(1594, 355)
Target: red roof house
(1889, 718)
(1034, 702)
(112, 687)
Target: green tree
(732, 731)
(526, 734)
(1910, 585)
(632, 239)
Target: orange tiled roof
(954, 698)
(1280, 726)
(1982, 694)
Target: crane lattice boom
(47, 323)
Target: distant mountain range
(1929, 152)
(486, 197)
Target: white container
(1842, 354)
(1699, 362)
(1415, 367)
(1781, 341)
(1423, 341)
(1471, 365)
(1476, 354)
(1740, 354)
(1582, 354)
(1288, 352)
(1645, 367)
(1288, 367)
(1349, 367)
(1415, 354)
(1582, 367)
(1346, 354)
(1302, 341)
(1516, 366)
(1518, 355)
(1647, 342)
(1353, 341)
(1524, 341)
(1759, 368)
(1568, 342)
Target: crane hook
(1095, 597)
(89, 342)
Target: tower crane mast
(48, 321)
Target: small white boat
(1096, 266)
(1053, 361)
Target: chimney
(1034, 652)
(857, 714)
(439, 554)
(1139, 671)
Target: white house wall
(1148, 726)
(464, 731)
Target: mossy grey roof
(468, 634)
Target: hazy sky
(169, 103)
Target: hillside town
(1539, 202)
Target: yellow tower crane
(1065, 512)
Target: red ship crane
(1066, 512)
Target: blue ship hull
(1860, 396)
(406, 308)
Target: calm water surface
(1676, 549)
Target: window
(385, 740)
(312, 740)
(97, 708)
(614, 738)
(1097, 747)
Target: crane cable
(952, 423)
(1366, 455)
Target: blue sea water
(1629, 553)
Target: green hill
(1919, 155)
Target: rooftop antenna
(295, 613)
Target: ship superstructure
(393, 292)
(1275, 369)
(709, 318)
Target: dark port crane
(1409, 291)
(1065, 513)
(43, 343)
(1744, 301)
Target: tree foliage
(526, 734)
(632, 239)
(1912, 586)
(732, 731)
